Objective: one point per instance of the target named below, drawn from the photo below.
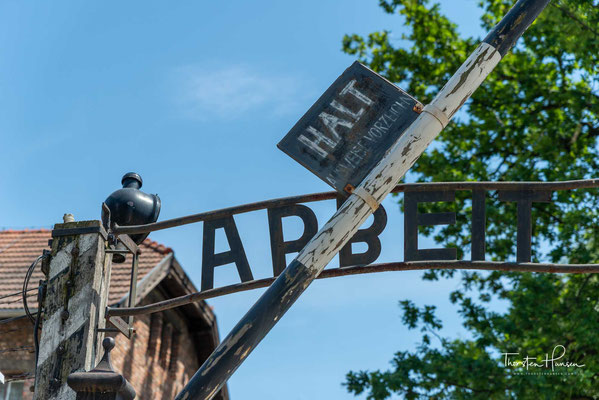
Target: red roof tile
(19, 248)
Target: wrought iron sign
(350, 127)
(524, 194)
(361, 137)
(413, 194)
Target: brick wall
(17, 355)
(158, 360)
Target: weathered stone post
(73, 307)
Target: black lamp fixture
(131, 206)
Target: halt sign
(350, 127)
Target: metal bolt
(64, 314)
(418, 108)
(349, 188)
(68, 218)
(112, 239)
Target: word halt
(350, 127)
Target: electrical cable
(25, 284)
(41, 289)
(20, 299)
(9, 320)
(20, 292)
(36, 340)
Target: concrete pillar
(73, 308)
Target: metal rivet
(349, 188)
(418, 108)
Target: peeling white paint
(467, 79)
(381, 180)
(378, 183)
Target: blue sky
(194, 96)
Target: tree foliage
(535, 118)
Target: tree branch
(574, 17)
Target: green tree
(535, 118)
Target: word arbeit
(370, 236)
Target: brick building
(167, 348)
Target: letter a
(235, 255)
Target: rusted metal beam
(379, 182)
(359, 270)
(560, 185)
(308, 198)
(225, 212)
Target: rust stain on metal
(367, 269)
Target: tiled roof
(18, 249)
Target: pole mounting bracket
(437, 113)
(367, 197)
